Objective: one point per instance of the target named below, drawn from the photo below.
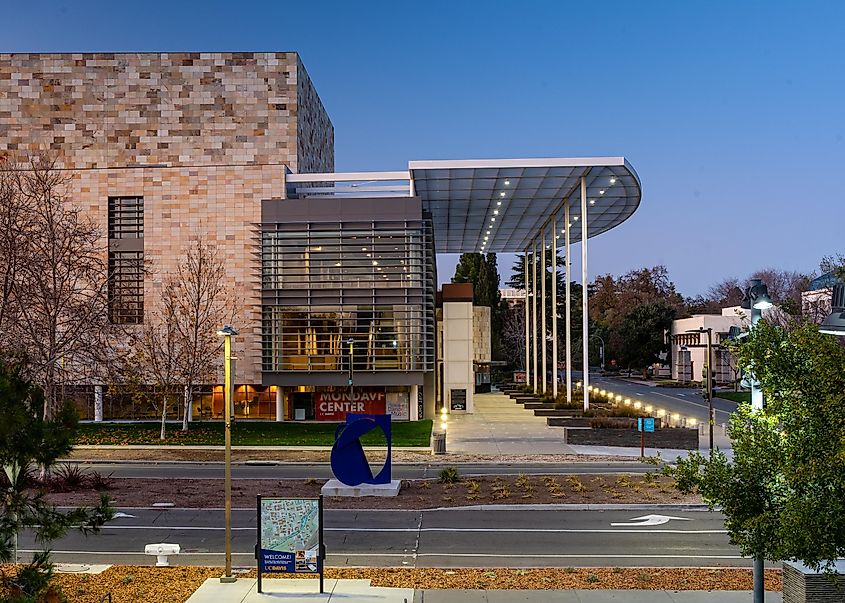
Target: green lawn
(735, 396)
(245, 433)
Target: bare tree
(202, 306)
(154, 360)
(177, 347)
(57, 282)
(513, 336)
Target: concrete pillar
(527, 324)
(567, 262)
(585, 381)
(534, 313)
(98, 403)
(543, 332)
(554, 307)
(413, 408)
(280, 404)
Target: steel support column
(543, 332)
(585, 380)
(527, 322)
(554, 308)
(534, 310)
(568, 276)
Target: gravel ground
(175, 585)
(415, 494)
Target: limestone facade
(202, 137)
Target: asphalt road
(165, 470)
(436, 538)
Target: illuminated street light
(227, 332)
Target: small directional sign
(645, 424)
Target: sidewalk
(360, 591)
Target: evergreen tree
(28, 441)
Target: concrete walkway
(360, 591)
(500, 426)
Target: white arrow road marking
(120, 515)
(650, 520)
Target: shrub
(449, 475)
(100, 482)
(68, 478)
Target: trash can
(438, 442)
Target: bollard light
(638, 405)
(649, 408)
(627, 401)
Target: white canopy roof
(508, 201)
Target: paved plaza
(360, 591)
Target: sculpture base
(335, 487)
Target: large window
(126, 260)
(329, 287)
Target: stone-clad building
(164, 147)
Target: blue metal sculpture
(349, 463)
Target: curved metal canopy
(508, 201)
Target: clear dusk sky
(733, 113)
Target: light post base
(228, 579)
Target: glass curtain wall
(335, 294)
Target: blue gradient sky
(733, 113)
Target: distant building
(513, 297)
(815, 301)
(689, 350)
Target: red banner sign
(333, 406)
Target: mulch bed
(415, 494)
(175, 585)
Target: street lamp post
(708, 375)
(351, 343)
(601, 349)
(756, 300)
(227, 332)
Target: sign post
(290, 537)
(644, 425)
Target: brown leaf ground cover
(194, 455)
(175, 585)
(415, 494)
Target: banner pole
(321, 553)
(258, 541)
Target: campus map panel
(289, 537)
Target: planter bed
(679, 438)
(558, 412)
(539, 405)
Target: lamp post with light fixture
(756, 300)
(227, 332)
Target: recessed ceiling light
(337, 264)
(502, 194)
(488, 232)
(570, 223)
(485, 238)
(601, 192)
(507, 182)
(575, 219)
(613, 180)
(492, 219)
(592, 201)
(363, 249)
(495, 212)
(498, 202)
(557, 236)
